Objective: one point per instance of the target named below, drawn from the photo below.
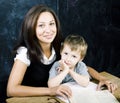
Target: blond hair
(76, 42)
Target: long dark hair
(28, 33)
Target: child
(70, 68)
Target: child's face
(71, 58)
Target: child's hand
(63, 65)
(59, 70)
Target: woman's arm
(14, 87)
(95, 74)
(102, 80)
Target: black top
(37, 74)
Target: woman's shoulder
(22, 49)
(22, 55)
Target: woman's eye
(41, 25)
(52, 23)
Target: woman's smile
(49, 36)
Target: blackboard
(98, 21)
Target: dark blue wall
(97, 20)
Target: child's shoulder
(81, 64)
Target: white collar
(49, 60)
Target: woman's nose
(47, 28)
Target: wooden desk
(48, 99)
(40, 99)
(115, 80)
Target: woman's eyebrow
(46, 22)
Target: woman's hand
(111, 86)
(61, 90)
(102, 80)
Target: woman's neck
(47, 50)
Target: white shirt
(22, 55)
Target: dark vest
(37, 75)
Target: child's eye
(66, 53)
(74, 56)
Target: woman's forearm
(27, 91)
(96, 75)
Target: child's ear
(60, 52)
(80, 59)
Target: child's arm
(55, 81)
(80, 79)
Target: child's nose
(68, 58)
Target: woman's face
(46, 28)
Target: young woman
(37, 50)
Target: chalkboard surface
(99, 22)
(96, 20)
